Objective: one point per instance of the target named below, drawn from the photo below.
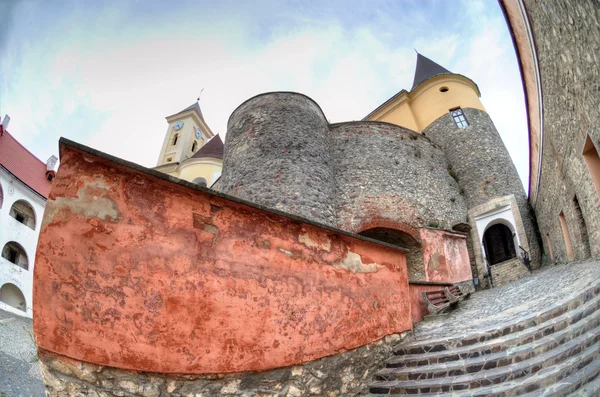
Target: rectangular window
(590, 156)
(459, 117)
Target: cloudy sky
(106, 73)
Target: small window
(592, 160)
(566, 237)
(194, 146)
(459, 117)
(443, 89)
(169, 159)
(175, 139)
(49, 177)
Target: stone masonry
(386, 172)
(567, 40)
(344, 374)
(277, 155)
(483, 166)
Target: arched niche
(23, 212)
(414, 259)
(12, 296)
(15, 253)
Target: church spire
(426, 69)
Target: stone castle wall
(140, 273)
(386, 173)
(483, 166)
(567, 40)
(282, 153)
(277, 154)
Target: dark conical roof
(426, 69)
(213, 148)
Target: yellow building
(435, 92)
(191, 151)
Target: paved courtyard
(19, 366)
(530, 294)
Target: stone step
(588, 312)
(585, 382)
(508, 374)
(502, 358)
(584, 366)
(532, 320)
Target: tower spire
(426, 69)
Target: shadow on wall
(414, 259)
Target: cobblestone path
(19, 367)
(517, 299)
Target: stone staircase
(551, 352)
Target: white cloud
(107, 77)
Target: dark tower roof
(213, 148)
(195, 106)
(426, 69)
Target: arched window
(415, 262)
(199, 181)
(499, 245)
(13, 252)
(12, 296)
(22, 211)
(194, 146)
(175, 139)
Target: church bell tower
(186, 134)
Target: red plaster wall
(445, 255)
(418, 307)
(140, 273)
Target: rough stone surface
(483, 166)
(281, 153)
(548, 345)
(19, 364)
(567, 39)
(505, 272)
(344, 374)
(277, 155)
(384, 172)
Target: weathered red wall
(141, 273)
(418, 307)
(445, 255)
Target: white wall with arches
(17, 226)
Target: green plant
(414, 137)
(433, 224)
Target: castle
(149, 284)
(428, 158)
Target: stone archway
(12, 296)
(499, 244)
(414, 259)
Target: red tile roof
(23, 164)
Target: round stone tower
(277, 155)
(446, 108)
